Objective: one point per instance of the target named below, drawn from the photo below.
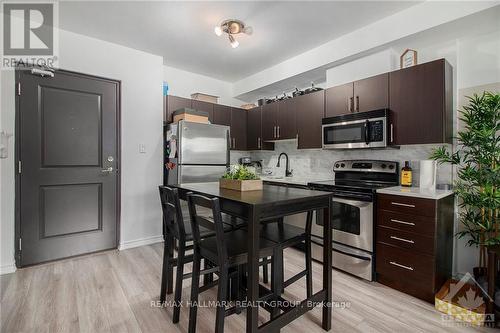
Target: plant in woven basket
(478, 173)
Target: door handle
(402, 204)
(258, 143)
(357, 103)
(402, 266)
(349, 103)
(392, 133)
(234, 143)
(402, 222)
(402, 239)
(107, 170)
(279, 131)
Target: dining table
(274, 202)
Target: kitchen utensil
(312, 89)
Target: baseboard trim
(7, 269)
(140, 242)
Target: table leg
(253, 270)
(327, 268)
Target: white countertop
(290, 180)
(416, 192)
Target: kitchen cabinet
(421, 102)
(414, 243)
(339, 100)
(279, 120)
(172, 103)
(254, 131)
(359, 96)
(310, 110)
(286, 119)
(222, 115)
(269, 120)
(204, 106)
(238, 129)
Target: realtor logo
(28, 29)
(29, 34)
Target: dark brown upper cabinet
(339, 100)
(371, 93)
(359, 96)
(172, 103)
(222, 115)
(310, 110)
(204, 106)
(254, 131)
(421, 101)
(238, 129)
(286, 120)
(269, 121)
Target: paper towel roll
(428, 174)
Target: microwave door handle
(367, 132)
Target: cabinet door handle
(350, 102)
(357, 103)
(279, 131)
(274, 132)
(403, 239)
(392, 133)
(402, 266)
(402, 204)
(258, 143)
(402, 222)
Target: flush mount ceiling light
(232, 27)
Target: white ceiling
(182, 32)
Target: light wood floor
(113, 291)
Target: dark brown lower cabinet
(414, 248)
(310, 110)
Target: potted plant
(477, 158)
(240, 178)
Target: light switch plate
(142, 148)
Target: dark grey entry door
(68, 173)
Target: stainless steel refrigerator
(202, 152)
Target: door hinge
(20, 244)
(19, 89)
(19, 167)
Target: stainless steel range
(353, 213)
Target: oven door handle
(357, 256)
(359, 204)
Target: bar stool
(286, 235)
(176, 228)
(226, 250)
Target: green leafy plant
(477, 159)
(240, 172)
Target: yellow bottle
(406, 175)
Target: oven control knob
(391, 166)
(383, 166)
(336, 165)
(342, 165)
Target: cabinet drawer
(417, 286)
(406, 240)
(422, 225)
(407, 205)
(395, 261)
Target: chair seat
(236, 244)
(287, 234)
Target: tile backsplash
(317, 164)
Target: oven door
(352, 223)
(363, 133)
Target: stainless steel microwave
(357, 130)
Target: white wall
(141, 76)
(183, 83)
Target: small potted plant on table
(240, 178)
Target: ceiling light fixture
(232, 27)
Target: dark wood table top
(269, 195)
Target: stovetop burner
(361, 175)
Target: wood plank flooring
(113, 292)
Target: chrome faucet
(288, 172)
